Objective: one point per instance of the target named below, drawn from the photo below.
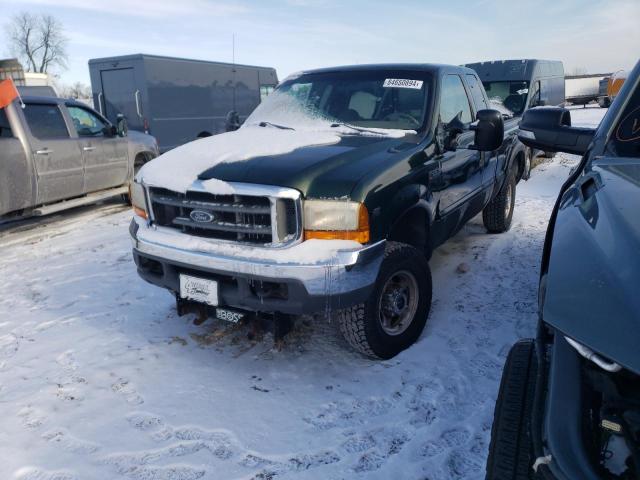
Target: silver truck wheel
(395, 314)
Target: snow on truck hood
(178, 168)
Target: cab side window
(625, 139)
(45, 121)
(87, 124)
(476, 92)
(5, 128)
(454, 100)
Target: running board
(79, 202)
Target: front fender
(386, 217)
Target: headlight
(336, 220)
(136, 195)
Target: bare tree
(38, 41)
(77, 90)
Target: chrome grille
(248, 218)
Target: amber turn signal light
(361, 235)
(140, 212)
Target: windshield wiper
(275, 125)
(357, 129)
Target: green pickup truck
(329, 200)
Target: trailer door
(121, 95)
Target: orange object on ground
(8, 92)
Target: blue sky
(291, 35)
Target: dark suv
(569, 402)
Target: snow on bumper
(318, 273)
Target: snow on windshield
(381, 100)
(286, 110)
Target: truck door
(460, 168)
(105, 156)
(16, 175)
(488, 160)
(57, 156)
(120, 95)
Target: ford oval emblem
(201, 216)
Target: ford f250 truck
(330, 198)
(57, 153)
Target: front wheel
(395, 314)
(510, 452)
(497, 215)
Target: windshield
(512, 96)
(395, 100)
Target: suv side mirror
(489, 130)
(549, 129)
(121, 126)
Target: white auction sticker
(402, 83)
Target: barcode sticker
(402, 83)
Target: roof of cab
(425, 67)
(52, 100)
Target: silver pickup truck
(58, 153)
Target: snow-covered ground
(100, 379)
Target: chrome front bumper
(338, 272)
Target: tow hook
(184, 307)
(279, 324)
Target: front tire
(511, 451)
(395, 314)
(497, 215)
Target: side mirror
(121, 126)
(549, 129)
(489, 131)
(109, 131)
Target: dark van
(176, 99)
(514, 86)
(522, 84)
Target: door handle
(88, 149)
(100, 103)
(44, 151)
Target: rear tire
(395, 314)
(497, 215)
(511, 452)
